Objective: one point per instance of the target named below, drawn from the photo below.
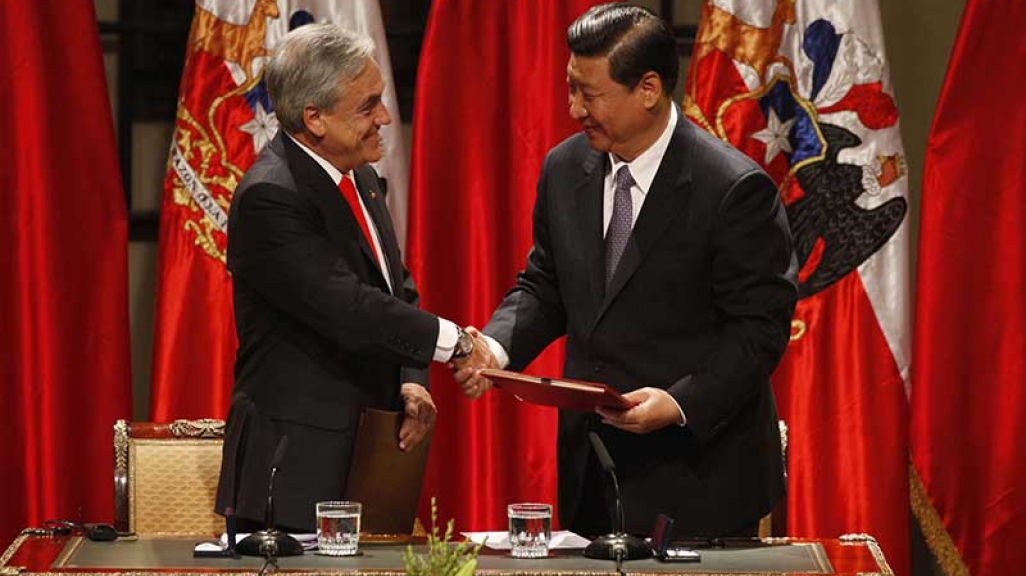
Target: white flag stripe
(885, 274)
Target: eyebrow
(579, 84)
(575, 78)
(370, 102)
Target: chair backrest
(165, 476)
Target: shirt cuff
(448, 333)
(497, 350)
(683, 419)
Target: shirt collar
(333, 173)
(644, 167)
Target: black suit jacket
(320, 336)
(700, 305)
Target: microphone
(606, 461)
(617, 545)
(271, 542)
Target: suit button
(599, 367)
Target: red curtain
(969, 387)
(825, 127)
(64, 349)
(491, 101)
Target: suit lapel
(587, 215)
(665, 198)
(340, 222)
(373, 198)
(365, 246)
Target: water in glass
(338, 529)
(530, 529)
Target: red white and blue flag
(802, 87)
(224, 120)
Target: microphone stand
(270, 564)
(618, 545)
(271, 542)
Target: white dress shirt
(643, 169)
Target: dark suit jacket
(320, 337)
(700, 305)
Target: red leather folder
(561, 393)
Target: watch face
(466, 344)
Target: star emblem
(775, 135)
(262, 127)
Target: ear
(314, 121)
(651, 89)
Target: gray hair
(307, 68)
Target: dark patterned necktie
(620, 222)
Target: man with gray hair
(326, 313)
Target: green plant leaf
(468, 568)
(442, 558)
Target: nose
(382, 118)
(577, 110)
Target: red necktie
(348, 190)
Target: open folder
(383, 478)
(561, 393)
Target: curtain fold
(491, 101)
(969, 394)
(65, 375)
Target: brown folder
(558, 392)
(383, 478)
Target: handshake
(419, 407)
(465, 369)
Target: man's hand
(465, 369)
(420, 415)
(657, 409)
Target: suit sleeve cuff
(683, 419)
(497, 350)
(679, 391)
(415, 376)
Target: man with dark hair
(664, 256)
(325, 311)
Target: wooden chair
(165, 477)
